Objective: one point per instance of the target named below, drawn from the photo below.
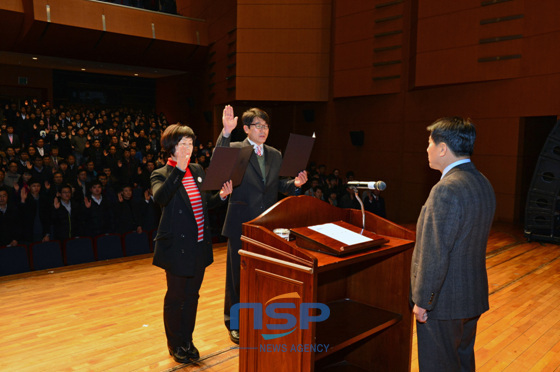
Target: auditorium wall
(24, 82)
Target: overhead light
(135, 74)
(83, 69)
(34, 58)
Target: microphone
(379, 185)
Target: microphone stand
(355, 189)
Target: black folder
(228, 163)
(297, 155)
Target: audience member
(2, 178)
(374, 202)
(99, 212)
(39, 171)
(78, 143)
(348, 200)
(12, 175)
(129, 212)
(54, 158)
(40, 147)
(9, 220)
(68, 217)
(333, 199)
(9, 139)
(80, 185)
(36, 213)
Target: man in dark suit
(183, 244)
(68, 216)
(257, 192)
(10, 218)
(449, 284)
(10, 139)
(36, 213)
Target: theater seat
(108, 246)
(78, 250)
(14, 260)
(135, 243)
(46, 255)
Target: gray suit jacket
(252, 197)
(448, 273)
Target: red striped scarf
(194, 196)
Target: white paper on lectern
(340, 233)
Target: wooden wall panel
(455, 30)
(368, 59)
(543, 18)
(476, 42)
(283, 15)
(282, 51)
(281, 88)
(281, 65)
(431, 8)
(345, 26)
(354, 55)
(283, 41)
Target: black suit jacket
(253, 196)
(67, 225)
(176, 245)
(5, 141)
(10, 225)
(29, 210)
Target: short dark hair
(252, 113)
(95, 183)
(456, 132)
(172, 135)
(34, 180)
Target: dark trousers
(232, 278)
(180, 305)
(446, 345)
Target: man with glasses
(257, 192)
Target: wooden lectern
(370, 323)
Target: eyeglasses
(261, 126)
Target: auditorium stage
(108, 316)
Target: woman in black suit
(183, 242)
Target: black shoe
(234, 336)
(179, 354)
(192, 351)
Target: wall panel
(281, 51)
(369, 59)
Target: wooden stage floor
(108, 316)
